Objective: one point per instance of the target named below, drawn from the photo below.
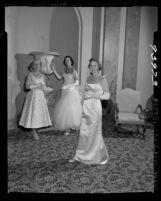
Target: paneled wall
(131, 47)
(96, 32)
(111, 43)
(128, 33)
(148, 25)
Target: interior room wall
(111, 44)
(28, 29)
(132, 31)
(136, 26)
(96, 32)
(12, 85)
(64, 38)
(31, 33)
(148, 25)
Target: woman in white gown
(35, 112)
(91, 147)
(68, 110)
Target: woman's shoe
(67, 132)
(35, 136)
(72, 160)
(104, 162)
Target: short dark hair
(72, 61)
(99, 64)
(31, 67)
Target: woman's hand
(41, 86)
(88, 96)
(56, 73)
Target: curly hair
(98, 63)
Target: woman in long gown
(35, 112)
(91, 147)
(68, 110)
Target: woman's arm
(56, 73)
(105, 95)
(75, 74)
(105, 88)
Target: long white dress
(35, 112)
(67, 112)
(91, 147)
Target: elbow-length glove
(104, 96)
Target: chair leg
(116, 130)
(144, 129)
(141, 134)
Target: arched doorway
(65, 38)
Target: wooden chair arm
(139, 110)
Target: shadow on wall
(23, 61)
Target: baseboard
(12, 124)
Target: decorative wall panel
(111, 43)
(131, 47)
